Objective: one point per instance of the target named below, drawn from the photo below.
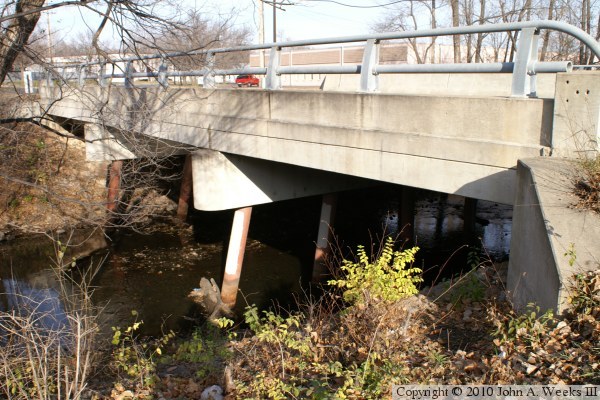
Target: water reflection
(42, 305)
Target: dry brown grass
(587, 187)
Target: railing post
(49, 78)
(209, 75)
(162, 75)
(523, 82)
(129, 74)
(81, 76)
(101, 75)
(273, 78)
(369, 82)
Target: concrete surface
(576, 125)
(468, 84)
(227, 181)
(545, 224)
(454, 144)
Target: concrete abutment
(551, 239)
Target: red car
(247, 80)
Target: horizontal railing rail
(524, 69)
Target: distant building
(389, 53)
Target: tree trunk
(590, 55)
(546, 39)
(468, 14)
(479, 43)
(15, 35)
(455, 23)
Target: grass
(587, 187)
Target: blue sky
(306, 19)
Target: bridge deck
(453, 144)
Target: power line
(356, 6)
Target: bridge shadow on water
(363, 217)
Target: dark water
(153, 273)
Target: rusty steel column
(114, 185)
(328, 206)
(185, 191)
(235, 255)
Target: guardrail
(524, 69)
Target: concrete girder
(226, 181)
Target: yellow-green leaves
(389, 277)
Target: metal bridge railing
(524, 69)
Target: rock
(209, 297)
(467, 314)
(2, 236)
(530, 368)
(212, 393)
(128, 394)
(561, 324)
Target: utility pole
(274, 21)
(261, 37)
(433, 26)
(49, 37)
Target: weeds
(322, 353)
(206, 349)
(587, 187)
(529, 326)
(136, 358)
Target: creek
(152, 273)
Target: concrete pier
(114, 185)
(406, 216)
(185, 191)
(328, 207)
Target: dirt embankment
(46, 183)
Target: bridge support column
(185, 191)
(406, 216)
(235, 255)
(328, 206)
(469, 210)
(114, 185)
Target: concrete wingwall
(546, 227)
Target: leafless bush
(48, 337)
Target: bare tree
(141, 27)
(546, 38)
(499, 46)
(198, 33)
(405, 16)
(455, 22)
(19, 20)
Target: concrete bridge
(462, 129)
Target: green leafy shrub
(585, 296)
(206, 348)
(135, 358)
(390, 277)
